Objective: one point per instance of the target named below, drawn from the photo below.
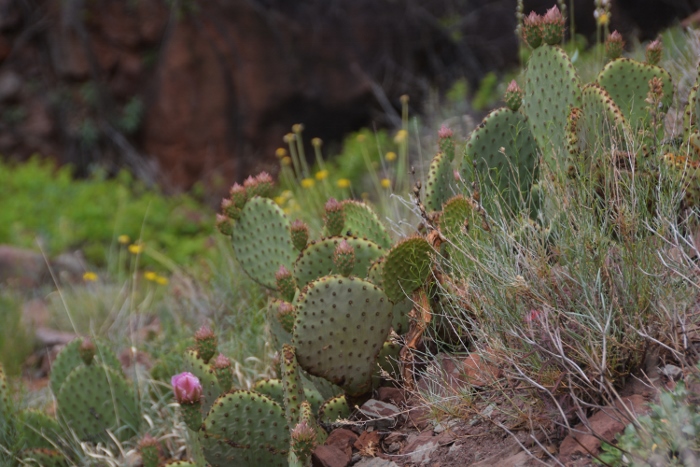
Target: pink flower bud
(187, 388)
(445, 132)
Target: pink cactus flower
(187, 388)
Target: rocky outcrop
(191, 91)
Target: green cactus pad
(690, 118)
(459, 219)
(293, 388)
(334, 409)
(627, 83)
(210, 384)
(262, 241)
(341, 325)
(39, 430)
(362, 222)
(43, 457)
(245, 429)
(552, 87)
(272, 388)
(375, 272)
(437, 186)
(400, 312)
(505, 154)
(388, 361)
(407, 266)
(317, 258)
(69, 359)
(96, 398)
(598, 125)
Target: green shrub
(42, 202)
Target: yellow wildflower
(316, 142)
(90, 276)
(160, 280)
(280, 200)
(307, 183)
(343, 183)
(150, 276)
(123, 239)
(401, 136)
(280, 152)
(604, 19)
(288, 138)
(386, 183)
(321, 175)
(297, 128)
(287, 194)
(286, 160)
(390, 156)
(136, 248)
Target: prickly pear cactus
(317, 258)
(272, 388)
(459, 219)
(361, 221)
(690, 116)
(334, 409)
(388, 361)
(401, 309)
(406, 267)
(210, 385)
(552, 87)
(280, 321)
(597, 127)
(69, 359)
(293, 388)
(627, 83)
(341, 325)
(375, 272)
(262, 241)
(245, 429)
(505, 155)
(96, 398)
(437, 185)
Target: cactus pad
(334, 409)
(375, 272)
(690, 117)
(407, 266)
(627, 83)
(459, 219)
(505, 154)
(341, 325)
(361, 221)
(597, 126)
(317, 258)
(279, 327)
(272, 388)
(388, 361)
(69, 359)
(210, 385)
(400, 313)
(437, 186)
(245, 429)
(262, 241)
(552, 87)
(293, 388)
(96, 398)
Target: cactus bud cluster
(335, 217)
(206, 343)
(304, 440)
(344, 258)
(514, 96)
(653, 52)
(286, 315)
(548, 28)
(614, 45)
(300, 234)
(149, 450)
(222, 369)
(286, 284)
(188, 393)
(87, 351)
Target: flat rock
(343, 439)
(419, 448)
(381, 414)
(329, 456)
